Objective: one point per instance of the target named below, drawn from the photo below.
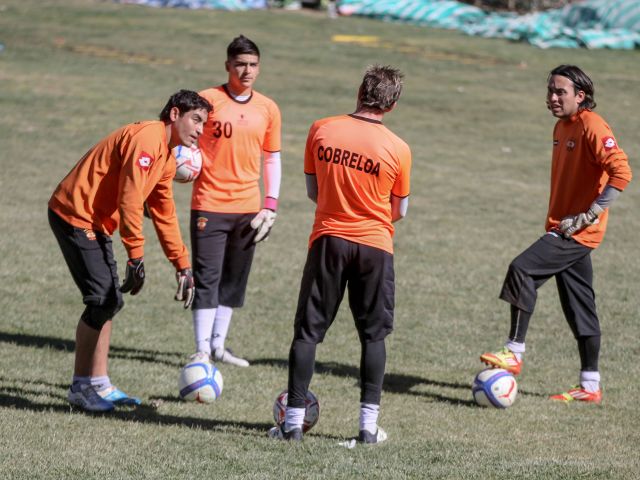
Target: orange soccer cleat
(579, 394)
(504, 359)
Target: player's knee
(516, 270)
(97, 312)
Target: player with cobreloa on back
(588, 172)
(106, 190)
(227, 217)
(358, 173)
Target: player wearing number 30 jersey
(235, 137)
(228, 213)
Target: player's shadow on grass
(18, 399)
(393, 382)
(172, 359)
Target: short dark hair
(185, 101)
(380, 88)
(241, 45)
(581, 81)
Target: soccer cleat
(200, 357)
(504, 359)
(118, 397)
(580, 394)
(365, 438)
(278, 433)
(88, 399)
(225, 355)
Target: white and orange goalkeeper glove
(262, 224)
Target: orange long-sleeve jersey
(235, 135)
(107, 189)
(358, 164)
(586, 158)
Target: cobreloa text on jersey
(348, 159)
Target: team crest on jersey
(91, 235)
(201, 223)
(571, 144)
(145, 160)
(609, 143)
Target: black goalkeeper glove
(134, 276)
(186, 287)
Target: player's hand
(574, 223)
(134, 276)
(186, 287)
(262, 224)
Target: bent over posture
(588, 172)
(358, 173)
(107, 190)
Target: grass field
(473, 113)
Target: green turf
(473, 113)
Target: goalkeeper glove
(134, 276)
(262, 224)
(186, 287)
(574, 223)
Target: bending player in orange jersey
(358, 173)
(104, 191)
(588, 172)
(228, 213)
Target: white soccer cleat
(225, 355)
(366, 438)
(88, 399)
(200, 357)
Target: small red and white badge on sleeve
(609, 143)
(145, 161)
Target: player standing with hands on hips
(358, 173)
(228, 217)
(588, 172)
(107, 190)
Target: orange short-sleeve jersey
(586, 157)
(235, 135)
(107, 189)
(358, 163)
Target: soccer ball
(200, 381)
(311, 414)
(495, 387)
(188, 163)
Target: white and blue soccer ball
(188, 163)
(495, 387)
(200, 381)
(311, 414)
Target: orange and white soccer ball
(188, 163)
(311, 414)
(495, 387)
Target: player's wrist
(594, 212)
(270, 203)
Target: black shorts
(334, 264)
(222, 249)
(570, 263)
(89, 256)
